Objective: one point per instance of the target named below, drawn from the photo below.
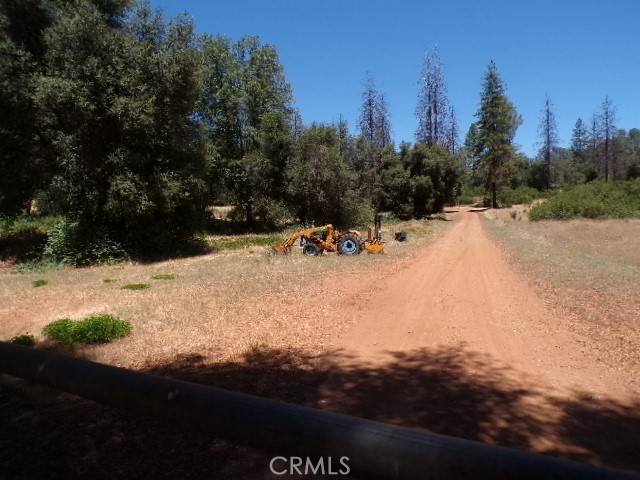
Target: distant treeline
(128, 124)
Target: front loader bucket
(374, 246)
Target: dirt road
(456, 342)
(461, 290)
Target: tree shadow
(607, 432)
(451, 391)
(22, 246)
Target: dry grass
(221, 213)
(218, 306)
(591, 270)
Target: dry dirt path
(460, 290)
(454, 341)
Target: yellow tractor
(315, 241)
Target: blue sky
(577, 52)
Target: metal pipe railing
(374, 450)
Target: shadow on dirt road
(453, 391)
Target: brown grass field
(590, 269)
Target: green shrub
(71, 243)
(593, 200)
(26, 340)
(94, 329)
(37, 265)
(164, 276)
(136, 286)
(518, 196)
(40, 282)
(470, 195)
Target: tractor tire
(310, 249)
(349, 244)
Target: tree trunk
(250, 218)
(494, 195)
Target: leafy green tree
(497, 123)
(116, 105)
(436, 175)
(246, 109)
(322, 185)
(397, 191)
(419, 181)
(19, 162)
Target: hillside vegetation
(592, 200)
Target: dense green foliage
(521, 195)
(322, 183)
(593, 200)
(246, 111)
(419, 182)
(94, 329)
(113, 93)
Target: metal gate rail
(375, 450)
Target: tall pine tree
(497, 123)
(548, 135)
(436, 121)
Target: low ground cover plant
(164, 276)
(101, 328)
(136, 286)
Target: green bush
(26, 340)
(71, 243)
(593, 200)
(38, 265)
(95, 329)
(40, 282)
(518, 196)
